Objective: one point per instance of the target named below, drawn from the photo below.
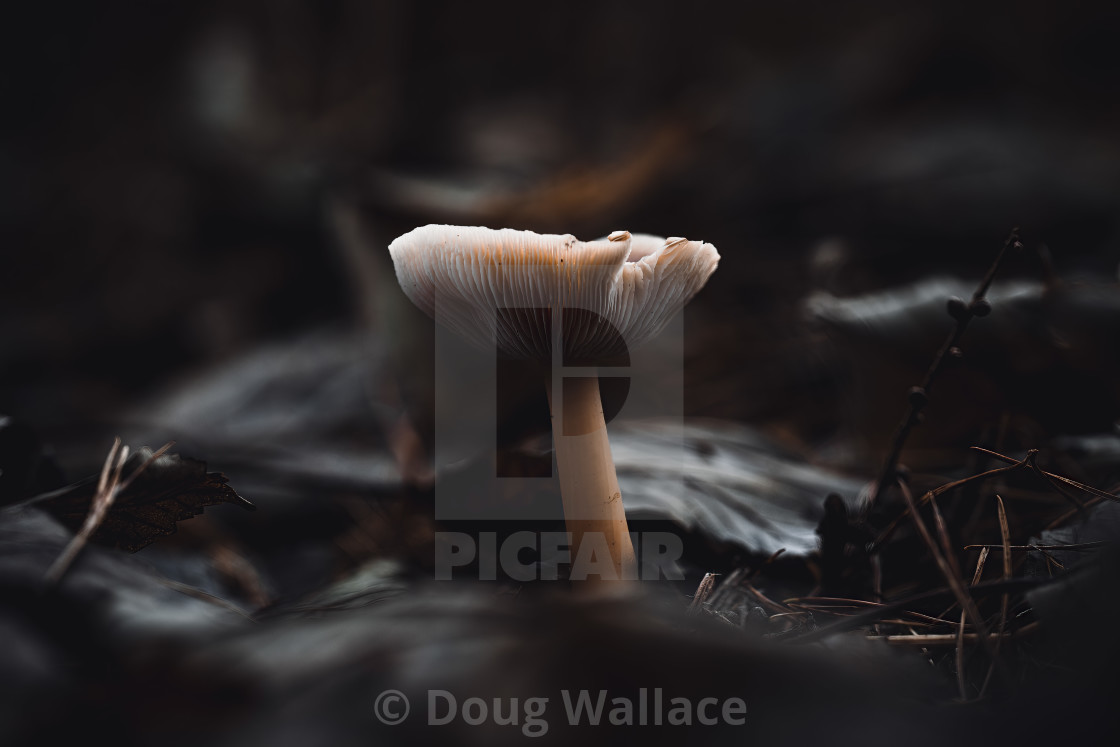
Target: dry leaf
(171, 489)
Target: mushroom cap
(503, 287)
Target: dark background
(195, 203)
(173, 173)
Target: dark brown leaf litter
(899, 572)
(171, 489)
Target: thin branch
(949, 639)
(106, 493)
(930, 495)
(961, 684)
(943, 537)
(1032, 460)
(730, 582)
(1040, 548)
(813, 604)
(878, 613)
(1013, 464)
(954, 582)
(919, 395)
(765, 600)
(1005, 536)
(1072, 483)
(774, 556)
(109, 485)
(147, 463)
(703, 591)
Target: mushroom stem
(593, 511)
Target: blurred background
(196, 200)
(182, 183)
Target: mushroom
(504, 289)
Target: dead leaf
(171, 489)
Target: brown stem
(919, 395)
(593, 509)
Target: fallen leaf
(171, 489)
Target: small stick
(730, 581)
(774, 556)
(1040, 548)
(1005, 535)
(703, 591)
(948, 639)
(805, 603)
(103, 498)
(796, 613)
(147, 463)
(878, 613)
(765, 600)
(930, 495)
(1051, 560)
(1072, 483)
(919, 395)
(966, 602)
(1032, 457)
(943, 537)
(1014, 464)
(961, 684)
(109, 486)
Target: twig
(930, 495)
(109, 486)
(147, 463)
(1013, 464)
(943, 537)
(1005, 536)
(205, 596)
(961, 684)
(703, 591)
(103, 498)
(718, 598)
(1040, 548)
(813, 603)
(765, 600)
(774, 556)
(1065, 480)
(949, 639)
(919, 395)
(1032, 457)
(965, 601)
(1051, 560)
(878, 613)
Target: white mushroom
(504, 289)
